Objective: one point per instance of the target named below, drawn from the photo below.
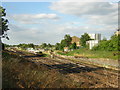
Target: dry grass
(19, 73)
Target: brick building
(76, 40)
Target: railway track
(84, 75)
(93, 76)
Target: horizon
(48, 22)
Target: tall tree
(44, 45)
(3, 25)
(84, 38)
(31, 45)
(57, 46)
(49, 45)
(67, 39)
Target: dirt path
(84, 75)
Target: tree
(73, 46)
(31, 45)
(49, 45)
(44, 45)
(109, 45)
(84, 38)
(64, 43)
(67, 39)
(104, 39)
(3, 25)
(57, 45)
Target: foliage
(67, 39)
(83, 52)
(73, 46)
(44, 45)
(24, 46)
(109, 45)
(6, 45)
(49, 45)
(4, 24)
(57, 45)
(66, 42)
(84, 38)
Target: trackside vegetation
(83, 52)
(109, 45)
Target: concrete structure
(95, 36)
(76, 40)
(117, 32)
(92, 43)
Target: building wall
(92, 43)
(76, 40)
(95, 36)
(66, 49)
(117, 32)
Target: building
(32, 50)
(66, 49)
(92, 43)
(117, 32)
(95, 36)
(76, 40)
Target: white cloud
(32, 18)
(51, 33)
(37, 35)
(95, 12)
(87, 8)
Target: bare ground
(85, 76)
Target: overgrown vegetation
(109, 45)
(4, 23)
(19, 73)
(66, 42)
(83, 52)
(3, 26)
(84, 38)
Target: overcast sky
(39, 22)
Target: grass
(17, 72)
(91, 54)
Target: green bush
(109, 45)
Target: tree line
(109, 45)
(66, 42)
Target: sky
(48, 22)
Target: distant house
(76, 40)
(32, 50)
(66, 49)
